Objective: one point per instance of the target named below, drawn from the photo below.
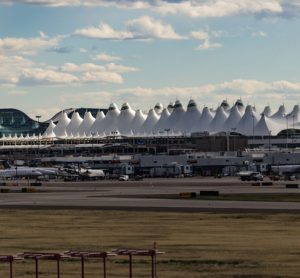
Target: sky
(58, 54)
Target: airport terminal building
(227, 128)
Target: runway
(132, 195)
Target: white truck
(250, 176)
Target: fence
(82, 256)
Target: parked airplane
(283, 169)
(23, 171)
(77, 172)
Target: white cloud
(212, 94)
(89, 72)
(206, 45)
(219, 8)
(191, 8)
(82, 50)
(259, 34)
(199, 35)
(92, 3)
(73, 68)
(95, 99)
(146, 27)
(106, 58)
(205, 38)
(26, 46)
(120, 68)
(103, 31)
(17, 92)
(11, 68)
(205, 94)
(38, 76)
(102, 77)
(18, 71)
(90, 67)
(139, 29)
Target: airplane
(76, 173)
(290, 172)
(286, 169)
(24, 171)
(19, 172)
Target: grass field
(196, 244)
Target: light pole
(233, 130)
(227, 140)
(252, 129)
(93, 135)
(293, 121)
(38, 120)
(287, 132)
(270, 132)
(167, 130)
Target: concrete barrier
(12, 184)
(209, 193)
(28, 190)
(255, 184)
(35, 184)
(187, 195)
(267, 183)
(291, 185)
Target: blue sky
(57, 54)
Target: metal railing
(82, 256)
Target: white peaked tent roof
(158, 108)
(240, 105)
(150, 122)
(170, 107)
(294, 115)
(217, 124)
(173, 121)
(49, 133)
(225, 105)
(75, 123)
(190, 117)
(138, 121)
(280, 114)
(267, 111)
(233, 120)
(86, 124)
(111, 119)
(248, 121)
(267, 126)
(97, 125)
(60, 129)
(204, 121)
(160, 125)
(128, 122)
(36, 137)
(125, 119)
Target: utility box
(187, 170)
(262, 167)
(127, 169)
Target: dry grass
(197, 244)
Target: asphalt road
(114, 195)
